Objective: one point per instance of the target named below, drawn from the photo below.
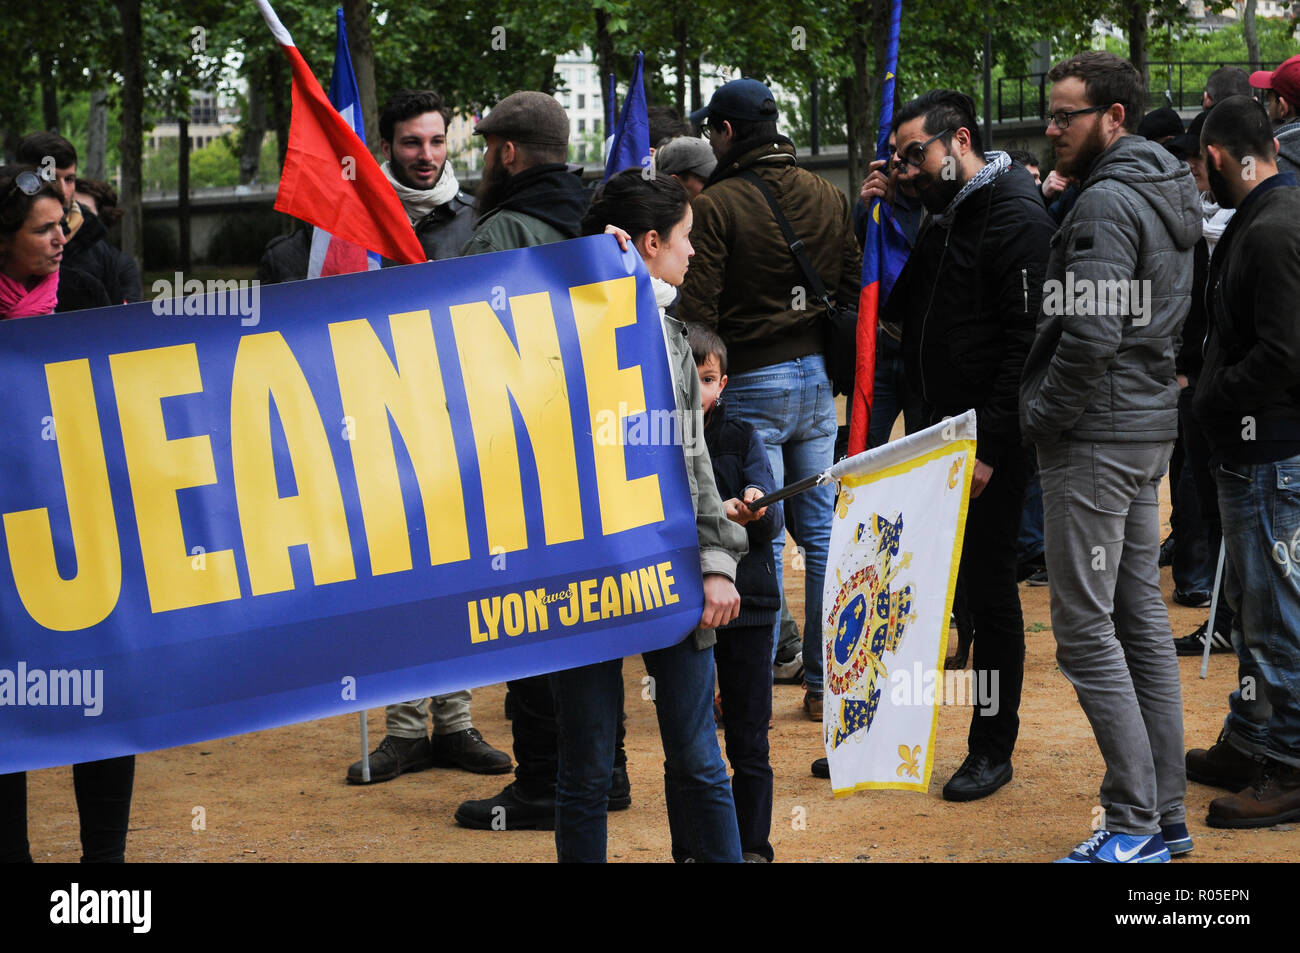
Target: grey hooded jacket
(1119, 282)
(1288, 147)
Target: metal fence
(1169, 83)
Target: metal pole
(365, 749)
(1214, 613)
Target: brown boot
(812, 705)
(1273, 799)
(1221, 766)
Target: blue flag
(331, 255)
(631, 146)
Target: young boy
(743, 653)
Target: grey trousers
(450, 715)
(1102, 533)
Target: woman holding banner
(32, 284)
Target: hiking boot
(468, 751)
(812, 705)
(1221, 766)
(394, 756)
(1274, 798)
(508, 811)
(1194, 644)
(979, 776)
(620, 790)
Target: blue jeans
(891, 394)
(1259, 505)
(791, 407)
(1029, 547)
(587, 704)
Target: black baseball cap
(745, 99)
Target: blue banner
(247, 507)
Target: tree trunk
(604, 50)
(132, 69)
(697, 100)
(49, 95)
(1252, 37)
(1137, 35)
(852, 123)
(860, 89)
(94, 166)
(679, 61)
(252, 132)
(280, 106)
(356, 13)
(547, 78)
(183, 190)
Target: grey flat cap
(686, 154)
(527, 116)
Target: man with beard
(966, 301)
(1248, 399)
(530, 197)
(745, 284)
(413, 137)
(1099, 397)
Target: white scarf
(664, 293)
(420, 202)
(995, 163)
(1215, 220)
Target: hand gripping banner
(249, 507)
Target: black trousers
(743, 659)
(103, 790)
(987, 579)
(531, 709)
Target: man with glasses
(1099, 397)
(1283, 85)
(966, 302)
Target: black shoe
(1194, 644)
(508, 811)
(1167, 551)
(1038, 579)
(620, 790)
(394, 756)
(821, 768)
(468, 751)
(1195, 599)
(1030, 566)
(979, 776)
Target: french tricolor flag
(330, 179)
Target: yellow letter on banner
(265, 369)
(86, 599)
(158, 468)
(372, 388)
(599, 310)
(534, 376)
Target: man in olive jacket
(745, 284)
(1099, 396)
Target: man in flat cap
(528, 195)
(689, 160)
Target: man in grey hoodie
(1099, 397)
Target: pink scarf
(18, 301)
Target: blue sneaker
(1107, 847)
(1176, 839)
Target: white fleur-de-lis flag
(891, 573)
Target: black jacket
(442, 234)
(1248, 396)
(88, 252)
(79, 291)
(739, 462)
(967, 300)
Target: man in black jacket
(966, 301)
(1249, 401)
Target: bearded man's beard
(492, 189)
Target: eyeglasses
(29, 183)
(1062, 117)
(914, 155)
(708, 128)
